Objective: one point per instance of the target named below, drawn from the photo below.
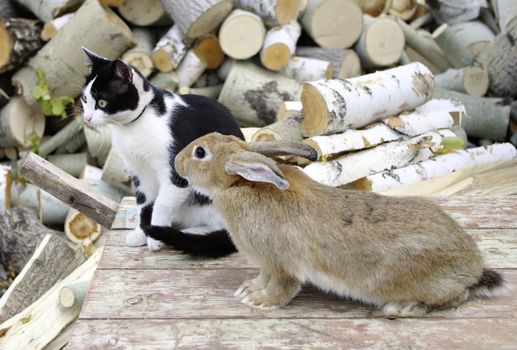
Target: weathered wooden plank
(300, 334)
(499, 247)
(68, 189)
(126, 217)
(203, 294)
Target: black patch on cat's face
(113, 84)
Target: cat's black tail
(210, 245)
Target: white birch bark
(287, 130)
(505, 12)
(456, 51)
(18, 120)
(470, 80)
(474, 35)
(168, 81)
(140, 56)
(438, 166)
(190, 69)
(456, 11)
(47, 10)
(170, 50)
(73, 164)
(5, 187)
(144, 13)
(242, 34)
(279, 45)
(272, 12)
(345, 62)
(307, 69)
(332, 106)
(51, 28)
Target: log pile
(388, 92)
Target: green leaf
(49, 105)
(450, 144)
(25, 319)
(34, 141)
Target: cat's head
(112, 92)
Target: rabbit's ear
(256, 167)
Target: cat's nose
(88, 118)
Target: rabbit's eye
(200, 152)
(102, 103)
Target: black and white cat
(149, 127)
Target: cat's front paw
(154, 244)
(136, 238)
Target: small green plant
(35, 141)
(450, 144)
(49, 105)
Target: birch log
(332, 106)
(474, 35)
(272, 12)
(288, 109)
(209, 91)
(351, 167)
(73, 295)
(197, 17)
(99, 142)
(500, 59)
(279, 45)
(506, 12)
(345, 62)
(209, 51)
(52, 211)
(47, 10)
(170, 50)
(456, 51)
(51, 28)
(287, 130)
(18, 120)
(190, 69)
(168, 81)
(144, 13)
(115, 173)
(52, 260)
(403, 9)
(381, 43)
(242, 34)
(25, 195)
(485, 118)
(373, 8)
(470, 80)
(438, 166)
(455, 11)
(62, 59)
(335, 24)
(253, 95)
(140, 56)
(61, 137)
(75, 143)
(73, 164)
(19, 39)
(5, 187)
(307, 69)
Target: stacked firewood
(286, 69)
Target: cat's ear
(122, 71)
(95, 61)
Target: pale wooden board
(203, 294)
(466, 334)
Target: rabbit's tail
(213, 244)
(490, 284)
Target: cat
(149, 127)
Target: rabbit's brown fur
(400, 253)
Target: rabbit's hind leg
(404, 309)
(279, 291)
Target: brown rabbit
(402, 254)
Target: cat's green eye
(83, 98)
(102, 103)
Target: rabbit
(402, 254)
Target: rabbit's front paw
(261, 300)
(409, 309)
(250, 286)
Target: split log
(52, 260)
(381, 43)
(61, 137)
(279, 45)
(253, 95)
(190, 69)
(18, 334)
(288, 109)
(18, 120)
(168, 81)
(470, 80)
(307, 69)
(140, 56)
(99, 142)
(486, 117)
(438, 166)
(198, 17)
(457, 53)
(500, 59)
(94, 27)
(51, 28)
(76, 142)
(455, 11)
(473, 35)
(73, 295)
(170, 50)
(209, 51)
(242, 34)
(19, 39)
(351, 167)
(69, 189)
(345, 62)
(334, 24)
(73, 164)
(144, 13)
(425, 47)
(6, 177)
(209, 91)
(48, 10)
(272, 12)
(332, 106)
(287, 130)
(505, 12)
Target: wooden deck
(162, 300)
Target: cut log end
(476, 81)
(275, 57)
(210, 19)
(209, 51)
(66, 297)
(79, 227)
(384, 42)
(140, 61)
(351, 66)
(361, 184)
(287, 10)
(143, 13)
(242, 35)
(315, 106)
(162, 60)
(5, 45)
